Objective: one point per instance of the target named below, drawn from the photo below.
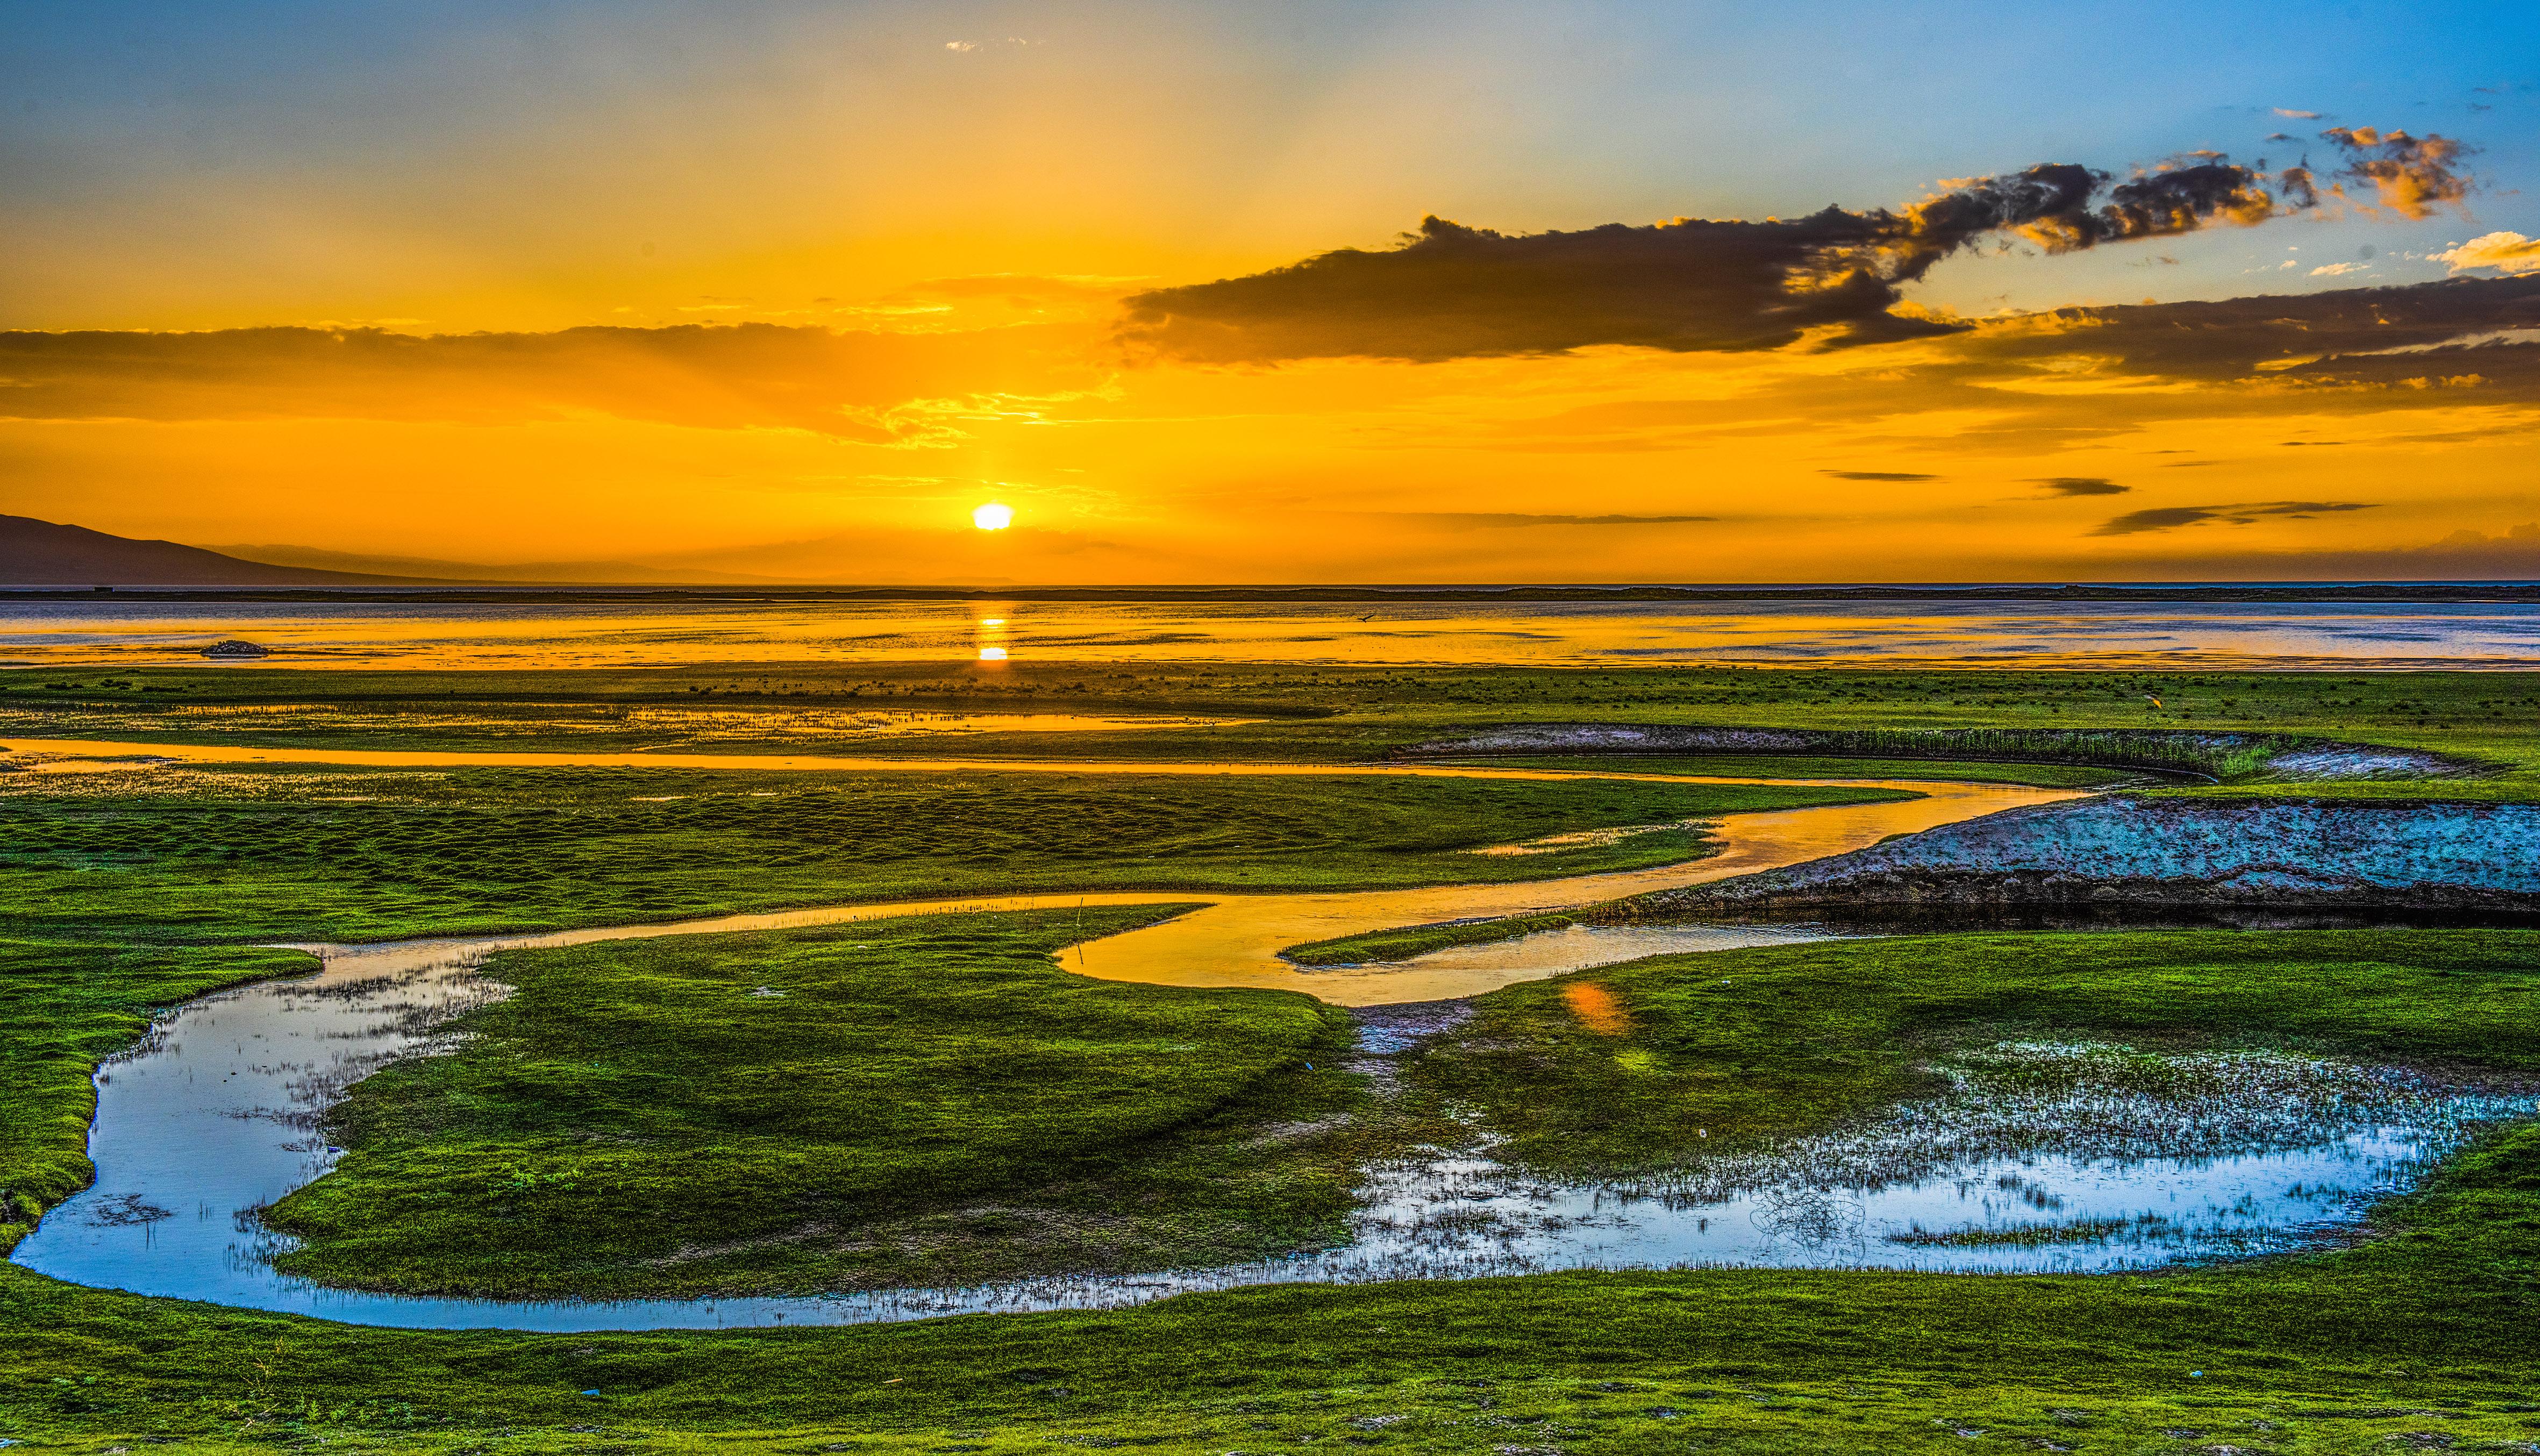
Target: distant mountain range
(539, 572)
(43, 553)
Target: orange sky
(736, 311)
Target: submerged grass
(1411, 940)
(2032, 1236)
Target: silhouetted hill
(41, 553)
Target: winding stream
(218, 1112)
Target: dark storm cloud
(2083, 485)
(1451, 291)
(2170, 518)
(1896, 475)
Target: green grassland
(273, 854)
(1303, 713)
(919, 1103)
(2417, 1336)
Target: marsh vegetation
(325, 855)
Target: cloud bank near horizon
(1450, 291)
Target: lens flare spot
(1597, 1008)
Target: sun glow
(992, 516)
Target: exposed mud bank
(2149, 852)
(2226, 755)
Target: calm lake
(387, 632)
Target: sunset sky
(1282, 293)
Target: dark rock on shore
(236, 647)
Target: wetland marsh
(2275, 1132)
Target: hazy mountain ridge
(51, 554)
(44, 553)
(527, 572)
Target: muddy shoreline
(2203, 753)
(2132, 853)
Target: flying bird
(2149, 698)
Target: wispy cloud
(884, 388)
(2083, 485)
(1895, 475)
(1530, 519)
(2171, 517)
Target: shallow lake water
(384, 631)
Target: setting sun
(992, 516)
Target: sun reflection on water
(989, 634)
